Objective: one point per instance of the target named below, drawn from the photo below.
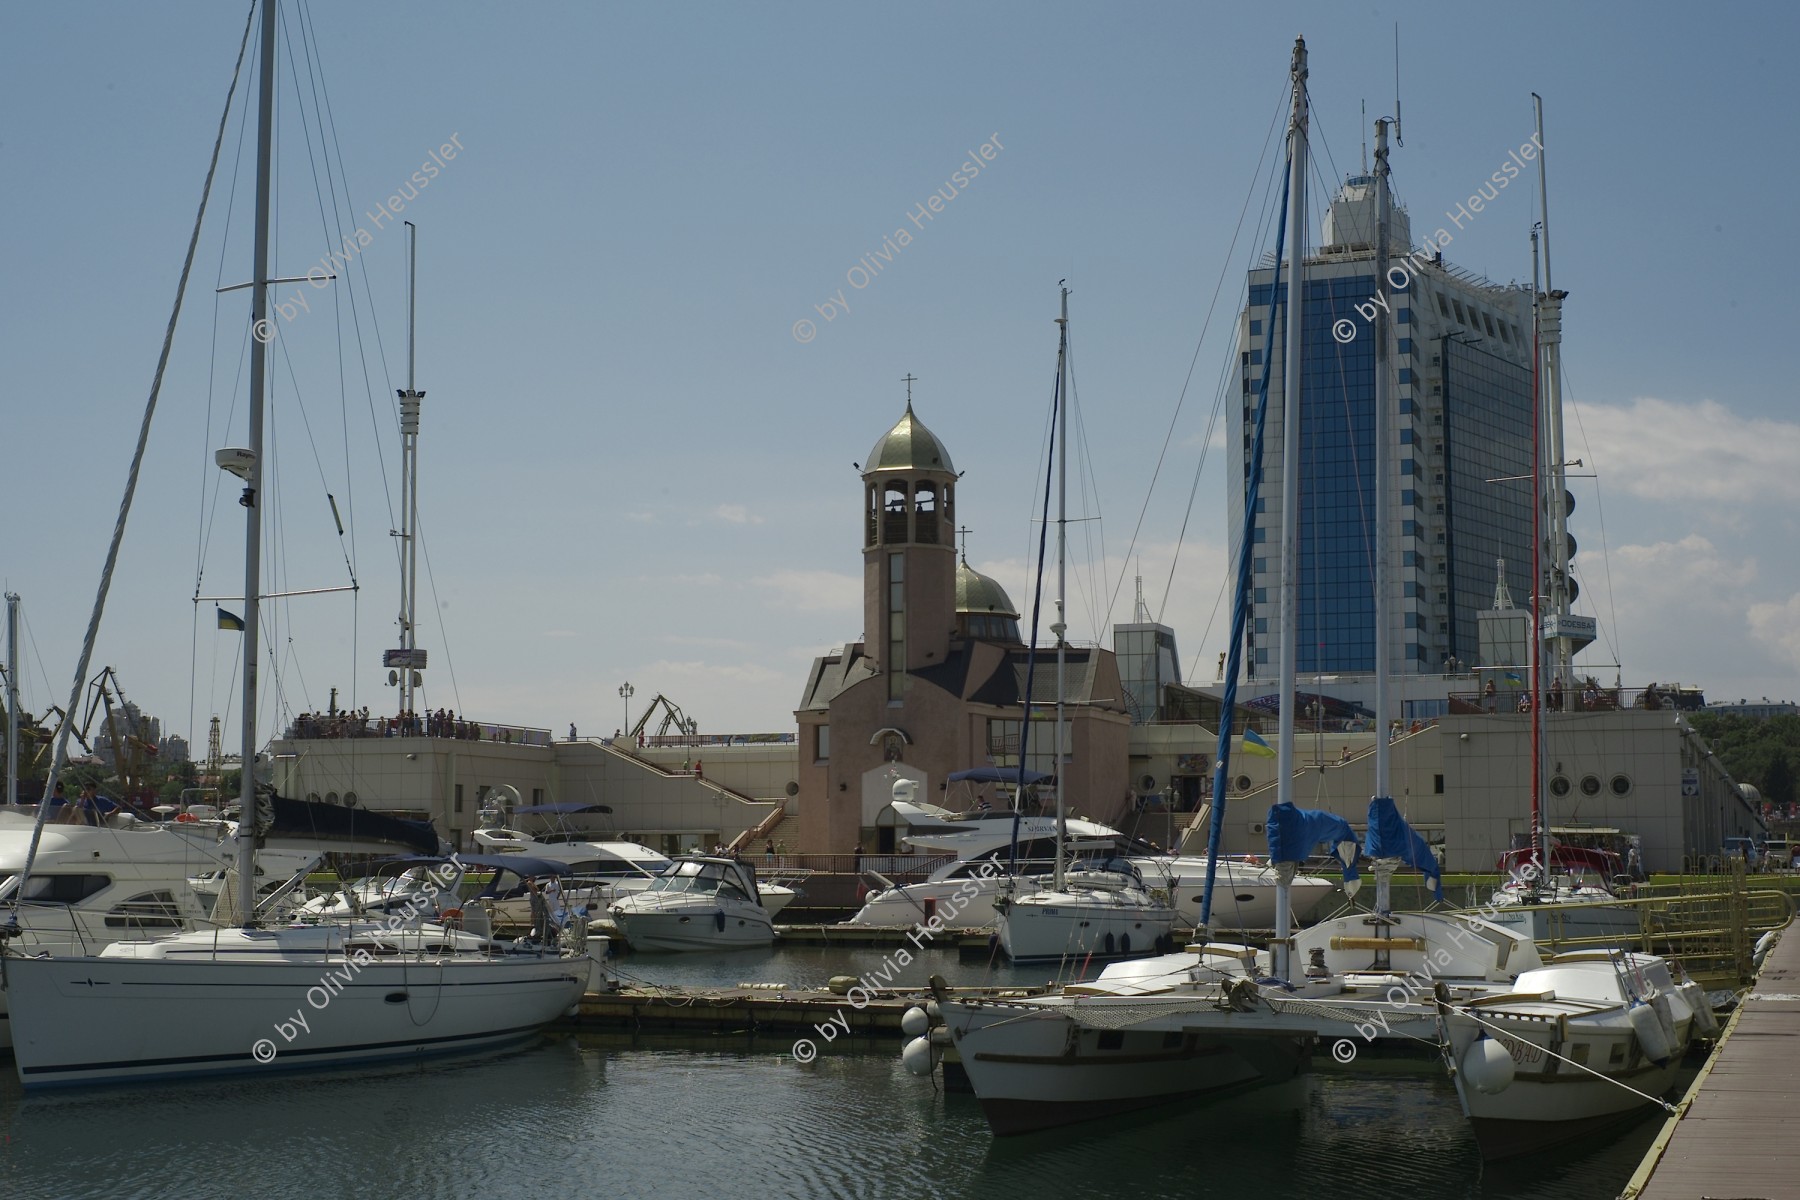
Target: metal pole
(1290, 475)
(1384, 433)
(1062, 528)
(259, 360)
(12, 698)
(1552, 417)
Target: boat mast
(1554, 485)
(1540, 833)
(1383, 463)
(409, 483)
(1062, 532)
(12, 698)
(1290, 482)
(259, 362)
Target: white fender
(1649, 1030)
(914, 1022)
(917, 1056)
(1488, 1066)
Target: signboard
(1582, 629)
(414, 658)
(1690, 781)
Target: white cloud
(1668, 451)
(815, 591)
(1687, 574)
(1777, 626)
(737, 514)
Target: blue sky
(632, 470)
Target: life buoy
(187, 817)
(449, 915)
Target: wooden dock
(1733, 1135)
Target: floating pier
(756, 1007)
(1732, 1134)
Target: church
(937, 684)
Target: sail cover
(1391, 837)
(1293, 832)
(313, 825)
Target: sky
(651, 360)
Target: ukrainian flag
(227, 621)
(1253, 744)
(1512, 677)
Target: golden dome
(909, 446)
(977, 593)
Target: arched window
(893, 512)
(925, 504)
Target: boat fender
(1488, 1066)
(1704, 1020)
(917, 1056)
(1124, 943)
(840, 985)
(1650, 1034)
(1109, 943)
(1763, 945)
(1665, 1016)
(914, 1023)
(719, 920)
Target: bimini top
(977, 593)
(909, 446)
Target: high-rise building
(1462, 360)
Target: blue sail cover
(1391, 837)
(1293, 832)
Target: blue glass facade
(1487, 436)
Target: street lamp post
(626, 692)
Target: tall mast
(409, 483)
(1553, 482)
(259, 361)
(1383, 462)
(1290, 478)
(12, 698)
(1062, 529)
(1540, 834)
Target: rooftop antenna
(1399, 140)
(1365, 141)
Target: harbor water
(736, 1115)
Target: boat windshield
(699, 878)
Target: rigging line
(60, 756)
(368, 290)
(321, 108)
(419, 532)
(313, 443)
(210, 481)
(1600, 515)
(1199, 343)
(1092, 522)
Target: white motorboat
(698, 903)
(1244, 899)
(1588, 1040)
(961, 893)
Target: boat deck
(1734, 1135)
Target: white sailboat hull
(1049, 925)
(966, 903)
(104, 1020)
(1037, 1070)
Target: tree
(1778, 781)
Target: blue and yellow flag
(1253, 744)
(227, 621)
(1512, 677)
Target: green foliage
(1761, 753)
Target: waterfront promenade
(1735, 1134)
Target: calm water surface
(614, 1115)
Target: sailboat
(216, 1001)
(1102, 909)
